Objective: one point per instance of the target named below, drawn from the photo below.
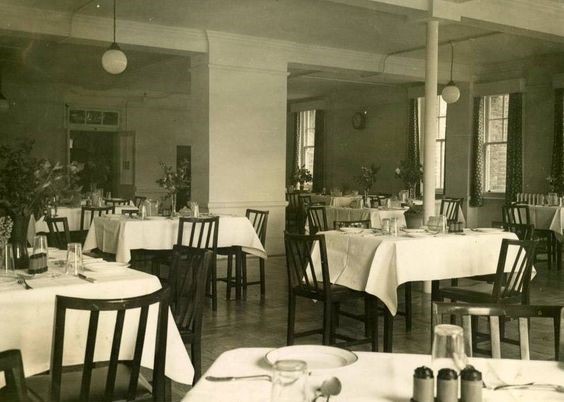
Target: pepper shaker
(447, 385)
(423, 385)
(471, 385)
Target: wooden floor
(253, 323)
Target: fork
(530, 385)
(22, 281)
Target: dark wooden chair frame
(496, 314)
(93, 211)
(138, 199)
(12, 366)
(58, 237)
(295, 213)
(317, 219)
(450, 207)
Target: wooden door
(124, 178)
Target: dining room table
(372, 377)
(120, 235)
(370, 261)
(28, 309)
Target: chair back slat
(259, 220)
(114, 355)
(94, 306)
(516, 213)
(58, 231)
(137, 354)
(498, 313)
(93, 211)
(300, 264)
(89, 356)
(12, 366)
(138, 199)
(519, 256)
(317, 219)
(203, 232)
(523, 231)
(293, 200)
(363, 224)
(450, 208)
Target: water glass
(74, 259)
(386, 226)
(394, 226)
(448, 348)
(289, 381)
(38, 258)
(8, 266)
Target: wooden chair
(305, 281)
(114, 379)
(12, 366)
(518, 213)
(188, 274)
(138, 199)
(508, 287)
(496, 314)
(379, 200)
(295, 213)
(522, 230)
(203, 234)
(59, 234)
(93, 211)
(130, 212)
(364, 224)
(317, 219)
(116, 201)
(450, 208)
(259, 220)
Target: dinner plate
(156, 218)
(317, 357)
(351, 230)
(406, 230)
(488, 230)
(421, 234)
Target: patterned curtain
(318, 168)
(557, 170)
(413, 151)
(292, 147)
(477, 168)
(514, 170)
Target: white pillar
(430, 132)
(431, 66)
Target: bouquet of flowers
(174, 181)
(552, 183)
(6, 224)
(367, 177)
(410, 173)
(302, 175)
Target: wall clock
(359, 120)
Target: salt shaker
(447, 385)
(471, 385)
(423, 385)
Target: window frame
(306, 126)
(487, 119)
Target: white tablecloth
(356, 214)
(373, 377)
(120, 235)
(379, 264)
(27, 320)
(345, 201)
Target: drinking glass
(448, 348)
(289, 381)
(394, 226)
(8, 266)
(386, 226)
(38, 258)
(74, 259)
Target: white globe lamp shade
(114, 60)
(450, 93)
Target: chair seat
(338, 292)
(39, 385)
(478, 292)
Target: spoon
(330, 386)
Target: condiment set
(447, 385)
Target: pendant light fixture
(114, 60)
(4, 104)
(451, 93)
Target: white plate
(156, 218)
(351, 230)
(488, 230)
(406, 230)
(416, 235)
(317, 357)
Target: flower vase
(19, 241)
(173, 205)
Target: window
(440, 139)
(495, 145)
(306, 139)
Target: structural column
(430, 132)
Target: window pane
(505, 105)
(310, 138)
(495, 131)
(309, 158)
(442, 110)
(496, 107)
(442, 127)
(439, 164)
(496, 162)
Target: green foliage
(367, 176)
(410, 172)
(302, 175)
(174, 181)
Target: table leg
(238, 263)
(388, 330)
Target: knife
(87, 279)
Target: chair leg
(229, 276)
(291, 319)
(262, 279)
(549, 250)
(238, 274)
(196, 357)
(214, 285)
(327, 322)
(408, 309)
(244, 274)
(371, 312)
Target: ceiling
(317, 22)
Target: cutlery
(86, 278)
(22, 281)
(530, 385)
(245, 377)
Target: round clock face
(359, 120)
